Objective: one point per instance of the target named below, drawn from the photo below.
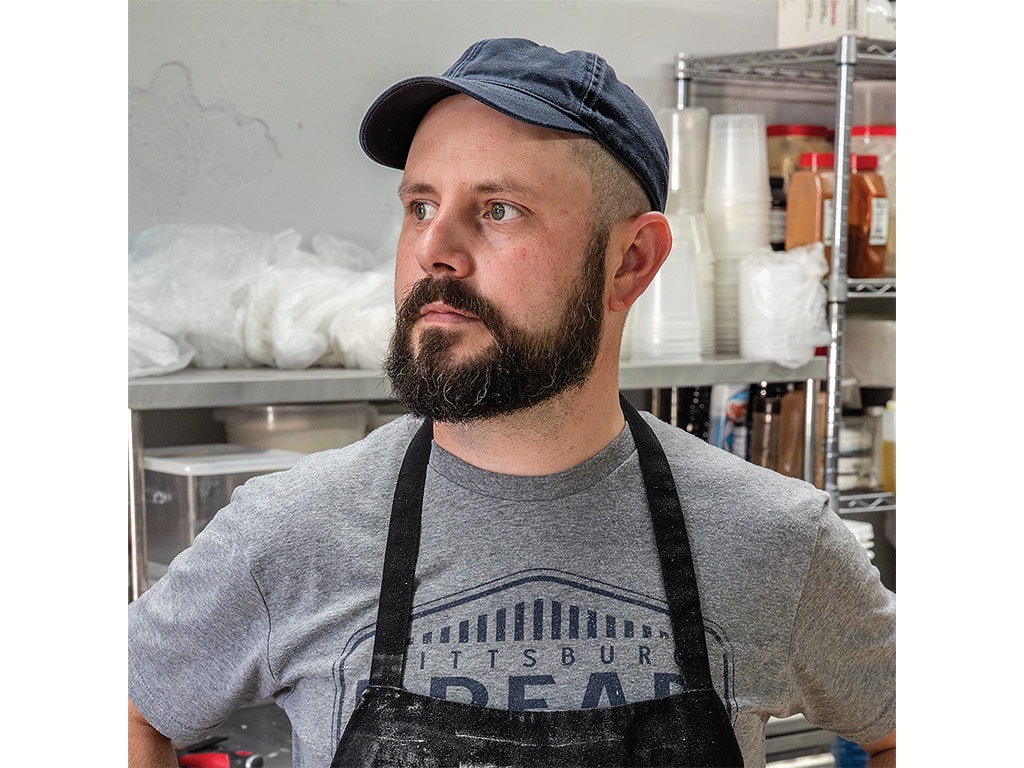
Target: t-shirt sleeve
(843, 658)
(198, 638)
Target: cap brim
(391, 121)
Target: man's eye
(423, 211)
(502, 211)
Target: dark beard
(520, 368)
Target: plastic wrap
(782, 301)
(227, 297)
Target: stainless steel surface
(196, 388)
(199, 388)
(792, 741)
(713, 371)
(814, 64)
(137, 555)
(867, 501)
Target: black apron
(393, 728)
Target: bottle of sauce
(867, 219)
(786, 143)
(881, 140)
(810, 209)
(889, 447)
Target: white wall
(247, 111)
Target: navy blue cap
(576, 92)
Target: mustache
(455, 293)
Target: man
(532, 573)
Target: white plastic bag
(225, 297)
(297, 314)
(782, 305)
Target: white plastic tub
(303, 428)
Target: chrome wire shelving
(833, 66)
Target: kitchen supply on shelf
(666, 318)
(868, 219)
(186, 485)
(737, 208)
(306, 428)
(786, 143)
(686, 133)
(810, 208)
(782, 305)
(880, 140)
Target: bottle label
(878, 234)
(828, 220)
(777, 228)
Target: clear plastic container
(868, 219)
(187, 484)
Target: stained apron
(394, 728)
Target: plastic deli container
(186, 486)
(302, 428)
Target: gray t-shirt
(531, 592)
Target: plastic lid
(873, 130)
(797, 130)
(217, 459)
(817, 160)
(863, 162)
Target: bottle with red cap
(881, 140)
(867, 219)
(810, 209)
(786, 143)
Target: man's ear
(644, 244)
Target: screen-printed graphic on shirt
(537, 639)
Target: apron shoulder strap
(673, 550)
(403, 546)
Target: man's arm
(882, 753)
(147, 747)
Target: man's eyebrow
(405, 189)
(495, 187)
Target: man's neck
(553, 436)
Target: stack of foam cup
(686, 133)
(665, 320)
(737, 207)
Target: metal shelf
(833, 66)
(197, 388)
(867, 501)
(875, 59)
(872, 287)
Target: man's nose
(444, 247)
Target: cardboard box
(807, 22)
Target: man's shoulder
(697, 464)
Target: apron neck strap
(394, 614)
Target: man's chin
(452, 347)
